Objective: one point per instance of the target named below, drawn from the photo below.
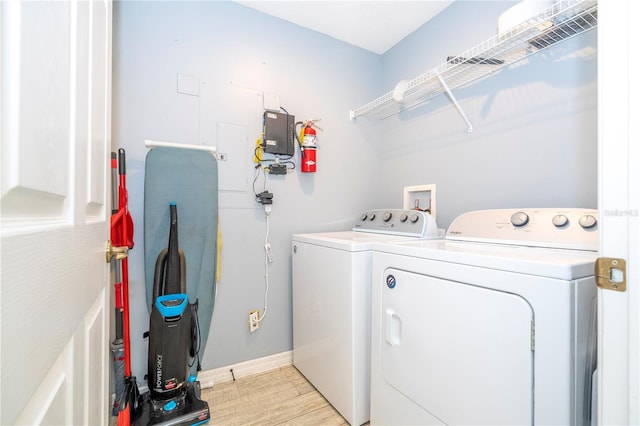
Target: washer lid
(348, 240)
(546, 262)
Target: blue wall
(534, 142)
(236, 54)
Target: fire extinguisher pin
(312, 123)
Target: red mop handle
(125, 264)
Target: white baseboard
(208, 378)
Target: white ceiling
(372, 25)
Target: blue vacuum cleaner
(174, 395)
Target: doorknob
(119, 252)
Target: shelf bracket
(455, 102)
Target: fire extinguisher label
(309, 160)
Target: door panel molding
(56, 103)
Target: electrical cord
(197, 338)
(276, 161)
(259, 169)
(265, 200)
(287, 163)
(267, 212)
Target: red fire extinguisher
(308, 147)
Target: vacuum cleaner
(174, 395)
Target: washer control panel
(544, 227)
(413, 223)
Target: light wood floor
(277, 397)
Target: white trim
(618, 391)
(208, 378)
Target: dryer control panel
(412, 223)
(544, 227)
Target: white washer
(332, 304)
(493, 325)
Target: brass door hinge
(611, 273)
(118, 252)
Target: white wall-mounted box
(421, 197)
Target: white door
(619, 196)
(56, 91)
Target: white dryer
(331, 274)
(493, 325)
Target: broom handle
(125, 265)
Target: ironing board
(189, 178)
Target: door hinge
(118, 252)
(611, 273)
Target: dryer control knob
(414, 218)
(588, 221)
(560, 220)
(403, 217)
(519, 219)
(373, 216)
(386, 216)
(363, 217)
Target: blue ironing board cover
(189, 178)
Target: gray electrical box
(278, 133)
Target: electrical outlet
(253, 320)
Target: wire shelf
(563, 20)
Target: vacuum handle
(173, 213)
(174, 263)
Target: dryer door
(461, 352)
